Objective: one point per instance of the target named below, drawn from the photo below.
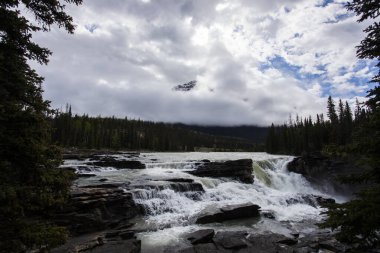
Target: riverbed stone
(95, 208)
(238, 169)
(231, 240)
(229, 212)
(201, 236)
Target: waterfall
(283, 193)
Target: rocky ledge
(206, 240)
(95, 208)
(230, 212)
(109, 161)
(325, 172)
(238, 169)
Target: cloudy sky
(255, 62)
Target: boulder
(310, 199)
(238, 169)
(201, 236)
(229, 212)
(231, 240)
(267, 243)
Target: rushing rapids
(173, 199)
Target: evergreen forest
(129, 134)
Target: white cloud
(126, 56)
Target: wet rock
(206, 248)
(95, 208)
(77, 191)
(229, 212)
(127, 235)
(175, 186)
(74, 156)
(180, 180)
(126, 246)
(231, 240)
(324, 172)
(266, 243)
(86, 175)
(324, 201)
(310, 199)
(295, 235)
(304, 250)
(332, 245)
(288, 241)
(268, 215)
(238, 169)
(118, 164)
(201, 236)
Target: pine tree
(31, 185)
(358, 220)
(331, 112)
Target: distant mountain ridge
(253, 134)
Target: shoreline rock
(98, 207)
(324, 172)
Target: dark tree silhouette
(30, 184)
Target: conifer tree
(331, 112)
(31, 185)
(358, 220)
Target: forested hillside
(308, 135)
(113, 133)
(253, 134)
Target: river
(169, 214)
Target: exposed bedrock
(230, 212)
(118, 164)
(95, 208)
(244, 241)
(324, 172)
(237, 169)
(177, 186)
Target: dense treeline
(254, 134)
(358, 220)
(308, 135)
(113, 133)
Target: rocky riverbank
(107, 213)
(326, 172)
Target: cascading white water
(275, 190)
(283, 195)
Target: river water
(171, 214)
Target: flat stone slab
(230, 212)
(238, 169)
